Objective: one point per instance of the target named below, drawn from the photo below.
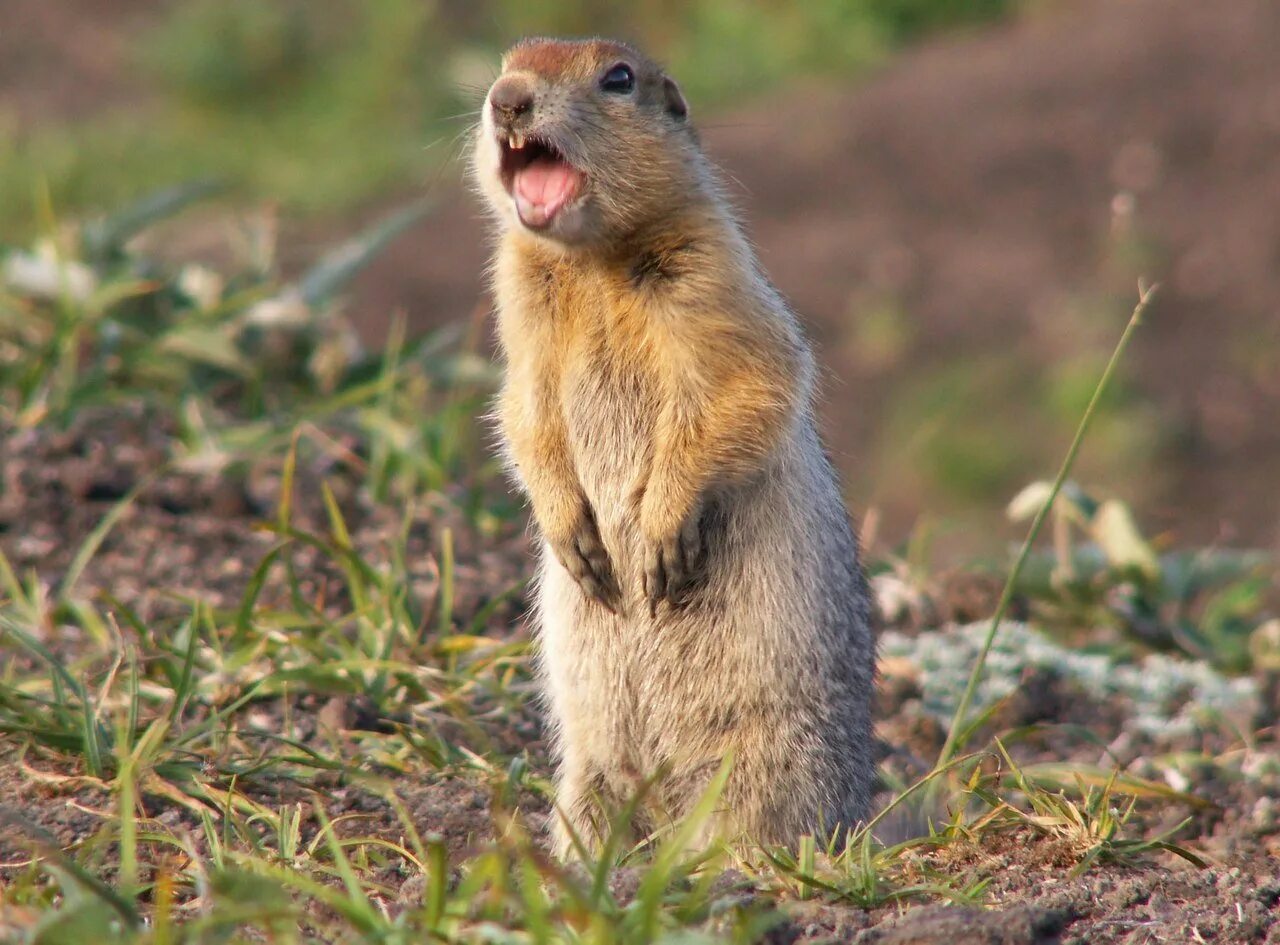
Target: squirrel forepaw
(674, 565)
(583, 555)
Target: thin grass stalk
(1006, 595)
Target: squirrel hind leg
(589, 814)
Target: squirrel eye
(619, 79)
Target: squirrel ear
(676, 105)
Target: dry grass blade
(955, 734)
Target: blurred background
(958, 196)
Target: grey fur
(772, 658)
(768, 655)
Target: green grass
(162, 717)
(243, 362)
(320, 106)
(956, 734)
(327, 104)
(249, 769)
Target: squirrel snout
(510, 98)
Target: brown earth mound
(67, 60)
(997, 194)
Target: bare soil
(973, 183)
(69, 59)
(60, 484)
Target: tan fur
(699, 592)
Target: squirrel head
(584, 142)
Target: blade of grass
(341, 264)
(89, 547)
(127, 787)
(111, 232)
(444, 612)
(953, 742)
(285, 513)
(52, 853)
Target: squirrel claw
(584, 556)
(674, 565)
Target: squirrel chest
(592, 345)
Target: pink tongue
(543, 187)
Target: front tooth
(519, 141)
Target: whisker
(469, 113)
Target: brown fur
(700, 595)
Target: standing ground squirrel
(699, 593)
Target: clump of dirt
(1218, 904)
(48, 808)
(1022, 925)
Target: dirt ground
(980, 183)
(68, 60)
(60, 484)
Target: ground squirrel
(699, 592)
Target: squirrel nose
(510, 97)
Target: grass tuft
(346, 748)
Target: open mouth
(542, 181)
